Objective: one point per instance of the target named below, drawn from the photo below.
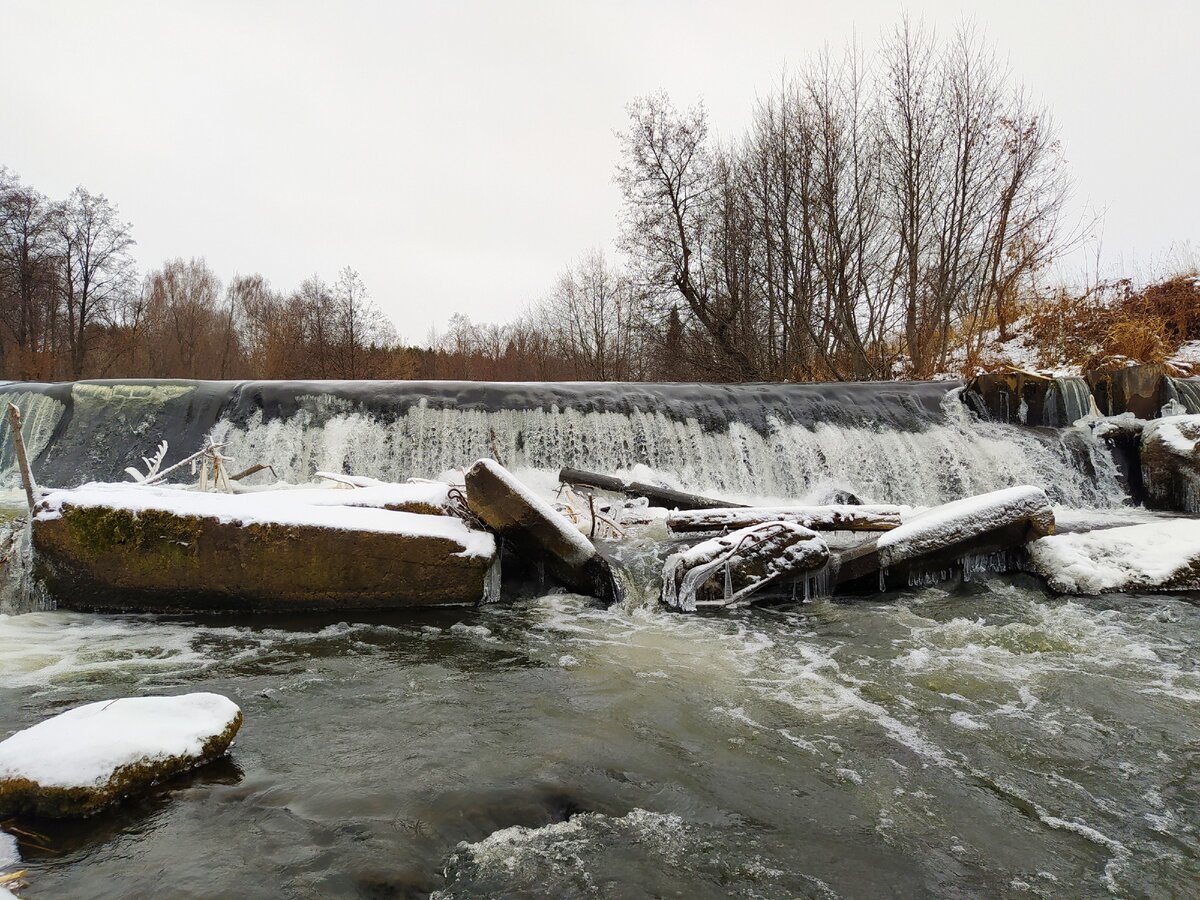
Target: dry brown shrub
(1174, 302)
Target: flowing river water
(982, 738)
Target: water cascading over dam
(887, 442)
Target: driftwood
(725, 570)
(657, 496)
(818, 518)
(14, 422)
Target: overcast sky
(459, 154)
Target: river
(982, 740)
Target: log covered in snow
(537, 532)
(934, 544)
(728, 569)
(658, 496)
(818, 518)
(89, 757)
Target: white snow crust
(1134, 557)
(1177, 433)
(316, 507)
(951, 522)
(85, 746)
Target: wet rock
(1170, 463)
(1015, 397)
(90, 757)
(730, 568)
(1141, 390)
(536, 531)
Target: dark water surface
(985, 740)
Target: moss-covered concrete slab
(97, 557)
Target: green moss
(158, 537)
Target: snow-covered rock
(955, 522)
(1156, 556)
(93, 755)
(1170, 457)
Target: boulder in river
(538, 532)
(727, 569)
(89, 757)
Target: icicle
(728, 580)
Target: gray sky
(459, 154)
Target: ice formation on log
(1162, 555)
(727, 569)
(93, 755)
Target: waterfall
(1186, 392)
(40, 415)
(946, 457)
(888, 442)
(1068, 401)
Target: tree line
(884, 214)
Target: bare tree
(97, 269)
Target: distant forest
(885, 214)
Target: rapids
(982, 740)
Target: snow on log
(818, 518)
(727, 569)
(935, 542)
(953, 522)
(537, 531)
(1170, 458)
(126, 547)
(89, 757)
(658, 496)
(1155, 556)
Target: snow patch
(1164, 554)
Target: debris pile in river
(368, 544)
(724, 570)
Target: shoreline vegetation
(890, 212)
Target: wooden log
(725, 570)
(14, 422)
(657, 496)
(818, 518)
